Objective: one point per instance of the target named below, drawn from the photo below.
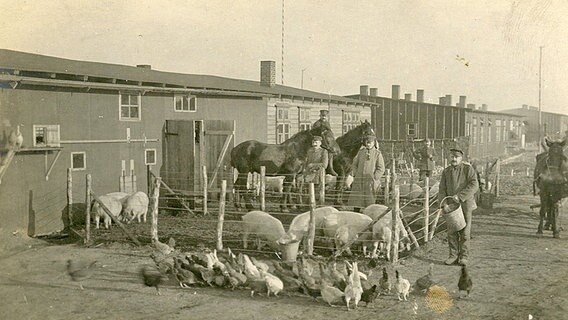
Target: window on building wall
(481, 131)
(46, 135)
(351, 119)
(78, 161)
(282, 124)
(129, 106)
(184, 103)
(489, 132)
(411, 129)
(474, 130)
(150, 156)
(304, 122)
(498, 130)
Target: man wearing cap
(316, 159)
(323, 121)
(425, 157)
(459, 181)
(367, 170)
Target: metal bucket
(454, 218)
(290, 251)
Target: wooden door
(178, 155)
(219, 140)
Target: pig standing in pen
(265, 227)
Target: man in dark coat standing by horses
(459, 181)
(367, 169)
(323, 121)
(425, 157)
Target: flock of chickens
(337, 283)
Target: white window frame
(146, 156)
(414, 129)
(52, 135)
(350, 120)
(282, 124)
(120, 105)
(304, 122)
(84, 161)
(188, 98)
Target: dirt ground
(516, 275)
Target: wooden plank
(220, 159)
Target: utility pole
(540, 101)
(282, 57)
(303, 77)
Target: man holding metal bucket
(458, 185)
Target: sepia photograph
(279, 159)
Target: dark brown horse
(550, 171)
(350, 143)
(285, 159)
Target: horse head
(555, 163)
(328, 139)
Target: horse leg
(543, 212)
(554, 217)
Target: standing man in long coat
(459, 181)
(425, 157)
(367, 169)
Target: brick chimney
(483, 107)
(374, 92)
(364, 90)
(442, 101)
(268, 73)
(420, 95)
(471, 106)
(462, 103)
(408, 96)
(395, 92)
(448, 100)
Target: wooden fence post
(528, 172)
(512, 172)
(88, 210)
(387, 187)
(322, 186)
(205, 183)
(435, 224)
(70, 197)
(221, 217)
(426, 207)
(497, 177)
(312, 222)
(154, 208)
(148, 178)
(262, 188)
(394, 224)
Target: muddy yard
(516, 275)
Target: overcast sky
(485, 49)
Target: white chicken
(15, 139)
(250, 270)
(353, 290)
(273, 283)
(402, 287)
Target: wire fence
(214, 214)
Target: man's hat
(324, 112)
(369, 137)
(317, 138)
(455, 150)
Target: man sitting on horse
(323, 121)
(317, 159)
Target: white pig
(382, 229)
(114, 205)
(264, 226)
(136, 207)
